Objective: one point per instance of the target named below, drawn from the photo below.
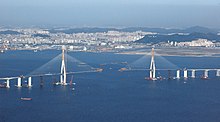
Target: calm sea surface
(109, 96)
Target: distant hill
(41, 35)
(94, 30)
(82, 30)
(146, 29)
(10, 32)
(178, 38)
(197, 29)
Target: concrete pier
(29, 82)
(7, 83)
(193, 73)
(206, 73)
(152, 67)
(185, 75)
(178, 74)
(218, 72)
(41, 81)
(19, 82)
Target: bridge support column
(169, 74)
(41, 81)
(29, 82)
(218, 72)
(185, 75)
(206, 74)
(152, 67)
(193, 73)
(63, 69)
(7, 83)
(178, 74)
(19, 82)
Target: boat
(160, 78)
(124, 62)
(148, 78)
(2, 86)
(99, 70)
(122, 69)
(204, 78)
(56, 83)
(26, 98)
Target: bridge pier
(41, 81)
(218, 72)
(169, 74)
(193, 73)
(19, 82)
(206, 73)
(7, 83)
(185, 75)
(178, 74)
(29, 82)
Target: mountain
(41, 35)
(200, 29)
(194, 29)
(82, 30)
(10, 32)
(154, 30)
(130, 29)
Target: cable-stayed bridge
(152, 73)
(63, 75)
(152, 70)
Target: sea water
(109, 96)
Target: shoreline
(181, 52)
(171, 51)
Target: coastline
(182, 52)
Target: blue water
(109, 96)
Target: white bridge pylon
(63, 68)
(152, 67)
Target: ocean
(109, 96)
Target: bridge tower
(152, 67)
(63, 68)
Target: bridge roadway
(208, 69)
(68, 73)
(47, 74)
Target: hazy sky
(105, 13)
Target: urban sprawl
(40, 39)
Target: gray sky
(103, 13)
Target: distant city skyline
(114, 13)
